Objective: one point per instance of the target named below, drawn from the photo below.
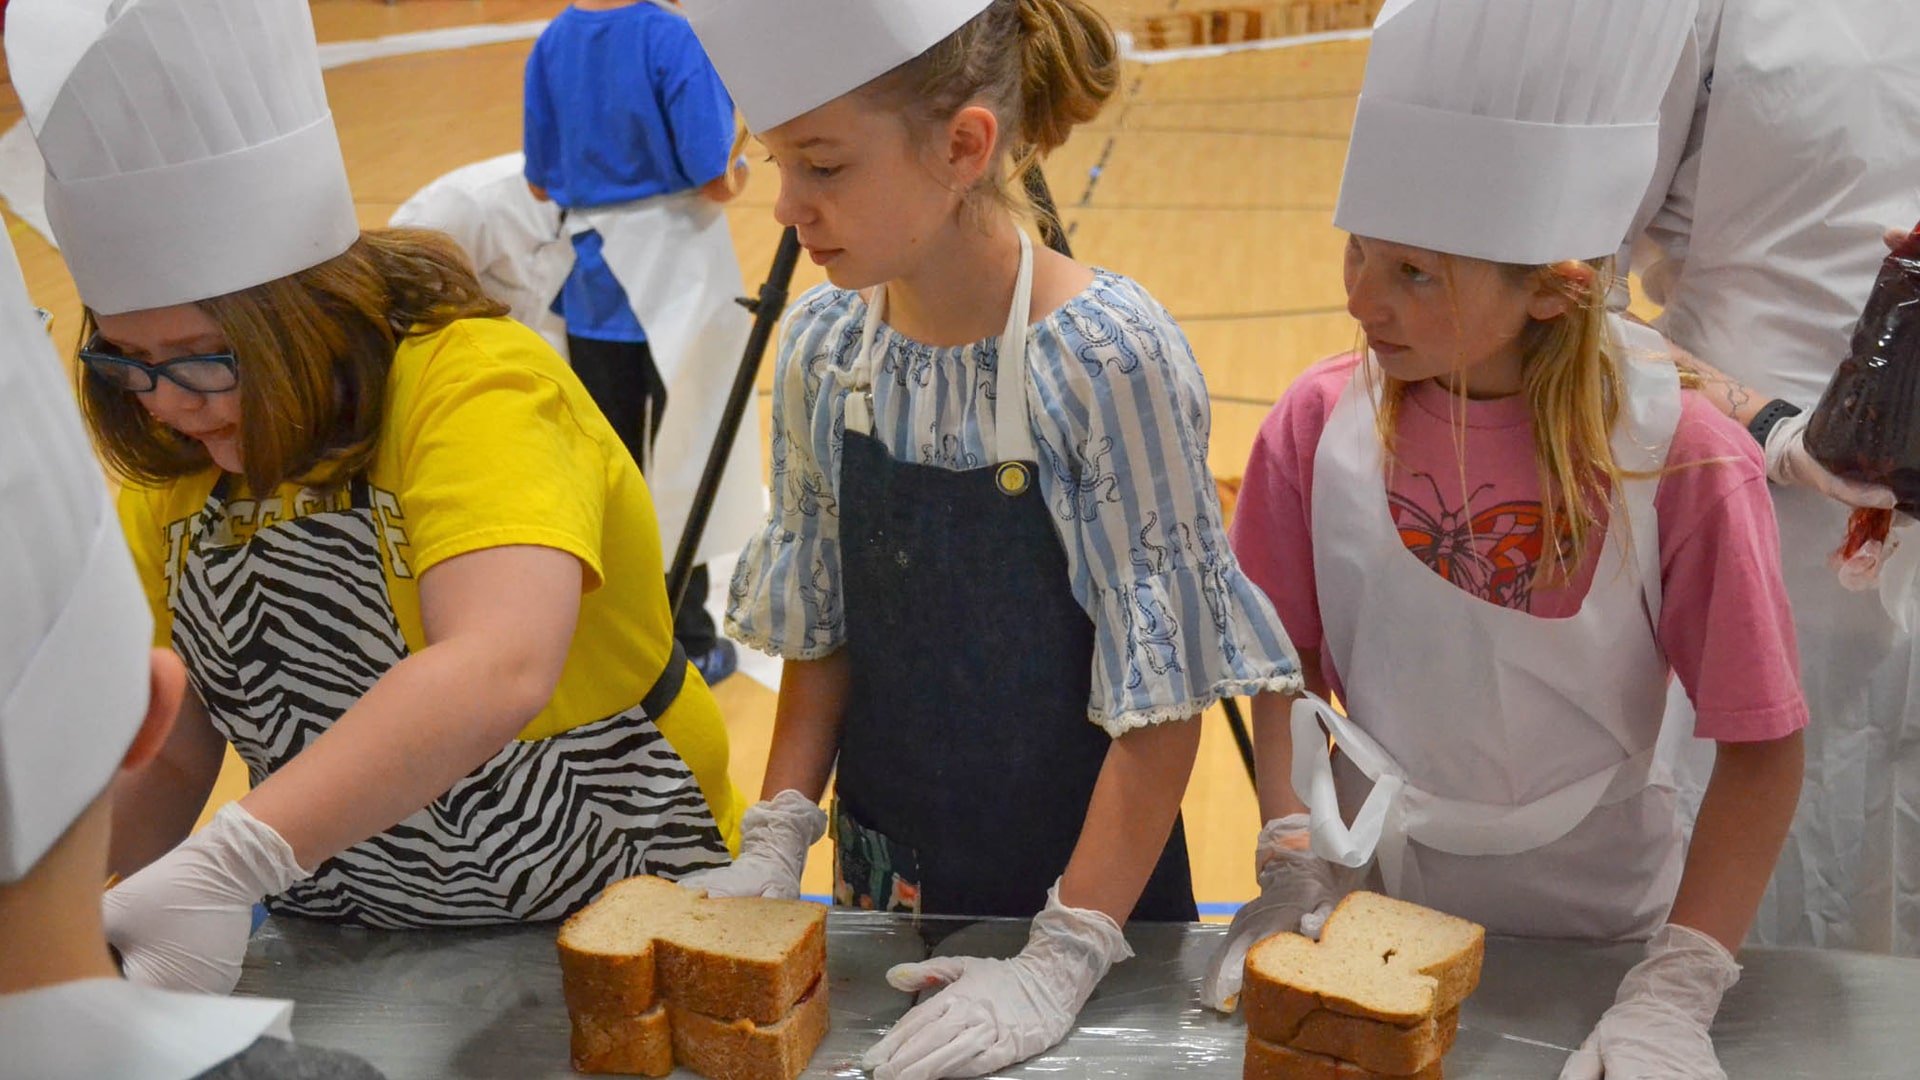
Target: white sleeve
(1657, 243)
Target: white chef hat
(782, 58)
(1519, 131)
(190, 152)
(76, 631)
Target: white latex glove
(774, 837)
(1657, 1027)
(1789, 463)
(994, 1013)
(1298, 890)
(182, 923)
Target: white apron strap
(1013, 428)
(859, 408)
(1379, 827)
(1395, 810)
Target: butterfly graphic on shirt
(1491, 552)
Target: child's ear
(971, 137)
(1558, 288)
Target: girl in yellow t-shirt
(417, 582)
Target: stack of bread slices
(733, 989)
(1377, 996)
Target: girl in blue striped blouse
(995, 562)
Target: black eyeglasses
(213, 373)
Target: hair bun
(1069, 65)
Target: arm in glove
(182, 922)
(993, 1013)
(1657, 1027)
(1789, 463)
(774, 837)
(1297, 891)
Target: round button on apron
(1014, 478)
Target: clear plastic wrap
(443, 1005)
(1867, 425)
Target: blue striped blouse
(1119, 411)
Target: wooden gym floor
(1211, 181)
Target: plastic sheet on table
(486, 1003)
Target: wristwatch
(1769, 417)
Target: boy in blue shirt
(622, 105)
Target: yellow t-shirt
(489, 440)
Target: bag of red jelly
(1867, 425)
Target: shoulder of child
(819, 307)
(1714, 468)
(468, 347)
(1309, 399)
(1118, 331)
(819, 330)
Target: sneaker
(717, 663)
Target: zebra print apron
(284, 632)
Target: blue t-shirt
(620, 105)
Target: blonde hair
(1042, 66)
(1571, 378)
(313, 349)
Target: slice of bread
(629, 1045)
(1270, 1061)
(733, 988)
(743, 1050)
(1377, 959)
(1376, 1047)
(646, 938)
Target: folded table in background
(483, 1004)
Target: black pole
(766, 316)
(1240, 738)
(1054, 233)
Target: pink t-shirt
(1724, 621)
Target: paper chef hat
(1520, 131)
(189, 148)
(76, 629)
(782, 58)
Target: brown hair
(1042, 66)
(314, 349)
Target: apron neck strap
(1013, 429)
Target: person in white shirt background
(1790, 145)
(519, 250)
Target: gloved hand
(1789, 463)
(997, 1012)
(1657, 1027)
(774, 837)
(1298, 890)
(182, 922)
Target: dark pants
(622, 380)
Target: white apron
(674, 257)
(1811, 149)
(98, 1028)
(1506, 762)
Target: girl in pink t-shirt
(1500, 532)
